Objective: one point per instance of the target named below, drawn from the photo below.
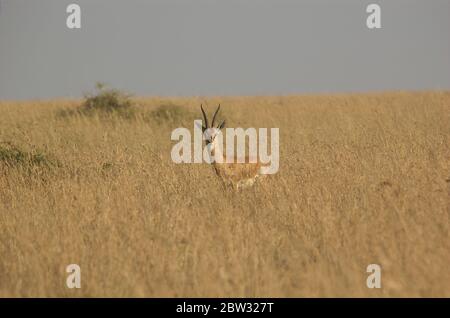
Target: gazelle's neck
(216, 151)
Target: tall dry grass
(363, 179)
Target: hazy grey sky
(228, 47)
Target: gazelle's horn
(204, 117)
(214, 117)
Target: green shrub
(13, 156)
(107, 100)
(104, 101)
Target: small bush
(107, 100)
(13, 156)
(104, 101)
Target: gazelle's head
(210, 132)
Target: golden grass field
(363, 179)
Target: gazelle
(239, 173)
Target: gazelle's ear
(222, 125)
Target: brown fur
(238, 174)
